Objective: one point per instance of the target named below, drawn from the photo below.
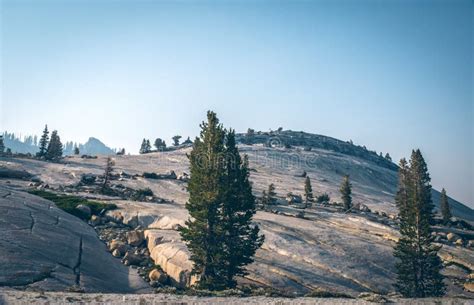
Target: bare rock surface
(45, 248)
(13, 297)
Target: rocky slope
(318, 248)
(44, 248)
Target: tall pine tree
(346, 191)
(43, 142)
(55, 148)
(308, 192)
(219, 235)
(444, 206)
(418, 266)
(203, 233)
(241, 237)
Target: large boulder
(171, 254)
(9, 173)
(135, 238)
(45, 248)
(84, 209)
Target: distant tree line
(160, 144)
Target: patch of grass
(69, 203)
(322, 293)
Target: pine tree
(203, 233)
(160, 144)
(144, 147)
(76, 150)
(387, 156)
(109, 167)
(176, 140)
(346, 191)
(2, 146)
(271, 195)
(219, 233)
(418, 266)
(43, 142)
(308, 192)
(188, 141)
(55, 148)
(241, 237)
(444, 206)
(148, 146)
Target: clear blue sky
(391, 75)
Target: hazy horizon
(391, 75)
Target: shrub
(69, 203)
(142, 193)
(323, 199)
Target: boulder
(119, 245)
(459, 242)
(470, 243)
(183, 177)
(157, 276)
(42, 248)
(116, 253)
(452, 237)
(84, 209)
(95, 220)
(14, 173)
(131, 258)
(135, 238)
(469, 287)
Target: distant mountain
(94, 146)
(29, 144)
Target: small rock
(135, 238)
(470, 243)
(119, 245)
(116, 253)
(452, 237)
(85, 209)
(132, 259)
(95, 220)
(157, 276)
(459, 242)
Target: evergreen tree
(188, 141)
(444, 206)
(219, 235)
(346, 191)
(55, 148)
(76, 150)
(176, 140)
(271, 195)
(387, 156)
(160, 144)
(203, 233)
(241, 237)
(109, 167)
(308, 192)
(418, 266)
(145, 147)
(43, 142)
(2, 145)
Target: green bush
(141, 194)
(69, 203)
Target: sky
(390, 75)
